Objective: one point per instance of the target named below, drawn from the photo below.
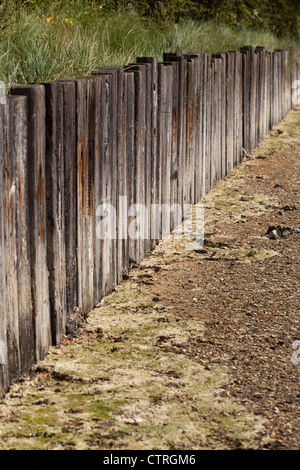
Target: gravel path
(196, 349)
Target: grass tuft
(55, 41)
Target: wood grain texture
(76, 156)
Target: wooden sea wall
(72, 151)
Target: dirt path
(195, 349)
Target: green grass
(71, 40)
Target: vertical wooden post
(179, 121)
(174, 169)
(131, 170)
(108, 175)
(199, 128)
(246, 96)
(70, 196)
(165, 137)
(229, 110)
(280, 80)
(203, 109)
(209, 146)
(269, 90)
(222, 113)
(286, 78)
(149, 66)
(238, 108)
(82, 179)
(55, 176)
(215, 151)
(122, 176)
(252, 99)
(151, 140)
(114, 124)
(192, 85)
(18, 134)
(139, 223)
(36, 187)
(10, 247)
(275, 111)
(3, 310)
(294, 77)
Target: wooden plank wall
(111, 151)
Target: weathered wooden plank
(220, 114)
(122, 176)
(223, 115)
(36, 187)
(55, 176)
(151, 140)
(161, 89)
(131, 160)
(92, 85)
(175, 197)
(252, 102)
(286, 82)
(70, 198)
(97, 195)
(107, 198)
(108, 175)
(274, 106)
(209, 91)
(82, 190)
(18, 156)
(269, 90)
(258, 98)
(261, 94)
(229, 110)
(179, 120)
(234, 109)
(174, 186)
(4, 380)
(192, 77)
(142, 164)
(199, 129)
(278, 52)
(120, 244)
(246, 95)
(237, 108)
(97, 182)
(203, 109)
(165, 139)
(294, 76)
(183, 127)
(10, 249)
(148, 77)
(214, 124)
(266, 92)
(168, 119)
(138, 221)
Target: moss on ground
(123, 378)
(126, 381)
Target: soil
(196, 348)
